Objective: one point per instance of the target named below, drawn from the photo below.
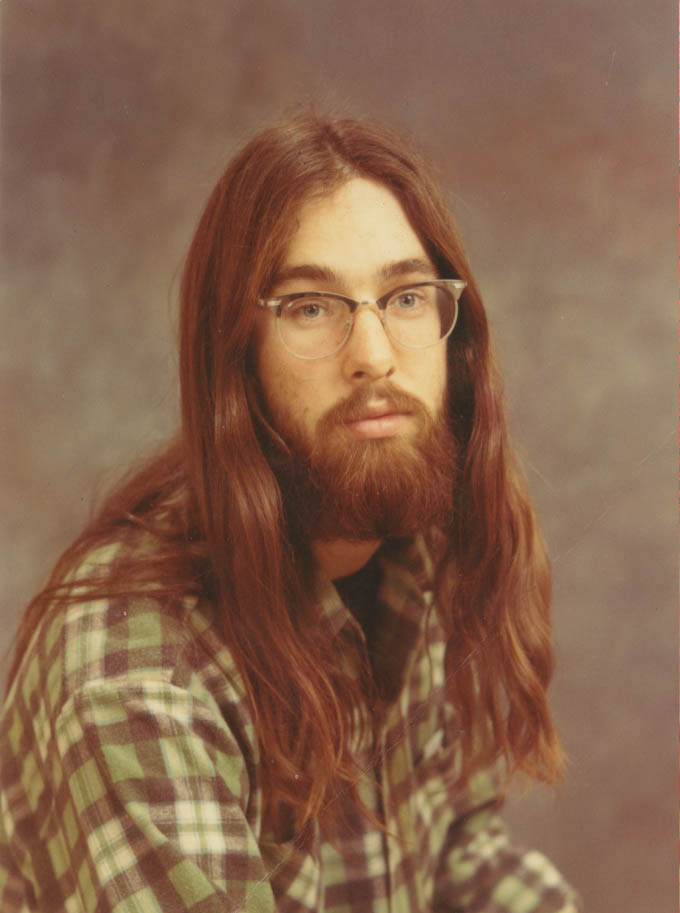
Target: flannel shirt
(129, 779)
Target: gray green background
(553, 126)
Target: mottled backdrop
(553, 126)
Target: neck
(340, 557)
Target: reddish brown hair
(212, 503)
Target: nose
(368, 353)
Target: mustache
(354, 406)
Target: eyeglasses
(318, 324)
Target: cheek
(272, 375)
(433, 382)
(442, 382)
(289, 395)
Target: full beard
(341, 487)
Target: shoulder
(126, 723)
(117, 644)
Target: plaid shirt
(129, 779)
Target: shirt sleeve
(481, 871)
(151, 794)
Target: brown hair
(213, 505)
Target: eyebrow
(404, 267)
(317, 273)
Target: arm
(151, 795)
(480, 871)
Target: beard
(336, 486)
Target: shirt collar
(405, 587)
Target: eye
(309, 310)
(408, 302)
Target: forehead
(354, 231)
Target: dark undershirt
(359, 592)
(387, 647)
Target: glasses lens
(422, 315)
(313, 326)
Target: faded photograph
(405, 277)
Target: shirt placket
(406, 890)
(386, 787)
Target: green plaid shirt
(129, 779)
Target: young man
(280, 670)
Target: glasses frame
(276, 306)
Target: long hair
(214, 506)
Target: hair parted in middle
(225, 534)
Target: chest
(383, 860)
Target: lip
(380, 419)
(377, 408)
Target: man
(280, 668)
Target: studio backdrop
(552, 126)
